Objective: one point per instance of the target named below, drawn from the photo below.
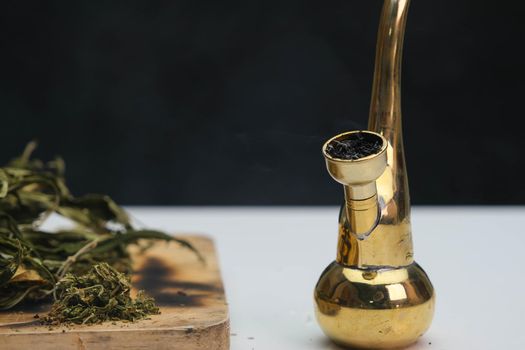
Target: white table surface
(272, 257)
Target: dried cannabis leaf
(33, 260)
(103, 294)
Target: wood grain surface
(194, 312)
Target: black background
(228, 102)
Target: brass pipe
(374, 295)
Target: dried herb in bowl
(33, 260)
(355, 146)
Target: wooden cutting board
(194, 312)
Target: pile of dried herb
(33, 260)
(355, 146)
(103, 294)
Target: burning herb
(33, 260)
(356, 146)
(103, 294)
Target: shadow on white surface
(323, 343)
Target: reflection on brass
(374, 295)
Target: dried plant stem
(73, 258)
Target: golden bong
(374, 295)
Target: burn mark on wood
(160, 281)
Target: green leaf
(10, 298)
(4, 183)
(94, 211)
(9, 264)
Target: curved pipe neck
(385, 107)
